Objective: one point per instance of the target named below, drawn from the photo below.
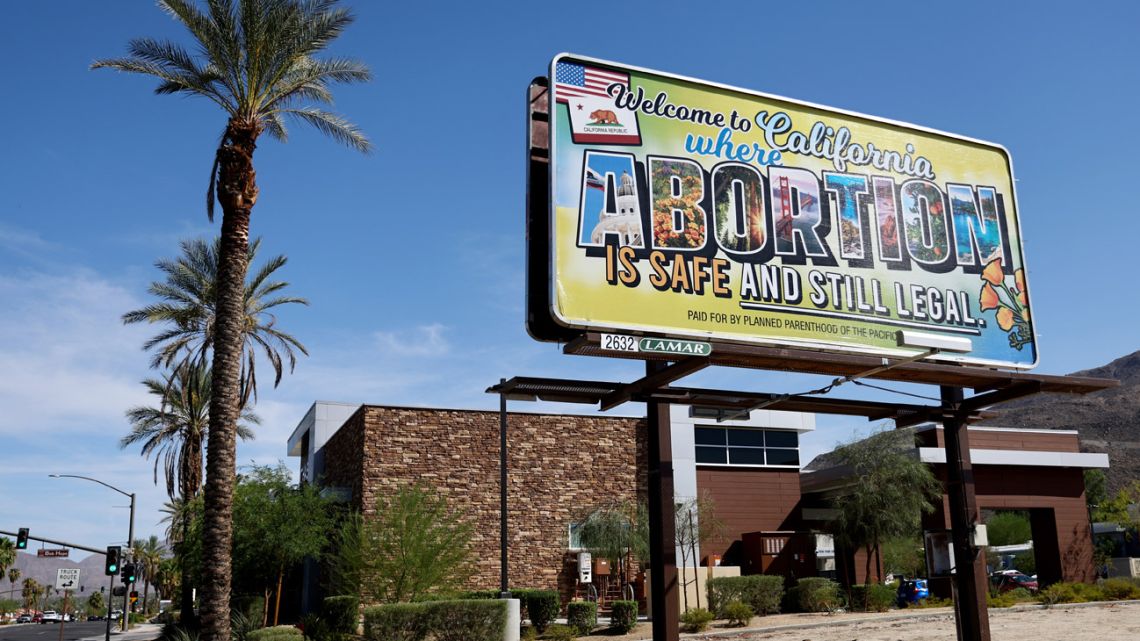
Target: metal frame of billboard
(545, 322)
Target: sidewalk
(138, 632)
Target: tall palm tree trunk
(237, 193)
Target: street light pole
(130, 542)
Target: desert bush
(623, 615)
(559, 632)
(696, 619)
(933, 602)
(582, 616)
(738, 613)
(1070, 593)
(542, 607)
(761, 592)
(872, 597)
(1118, 589)
(1008, 599)
(816, 594)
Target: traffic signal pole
(130, 546)
(110, 606)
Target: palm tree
(7, 553)
(255, 61)
(187, 306)
(13, 576)
(175, 432)
(147, 553)
(31, 592)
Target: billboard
(684, 208)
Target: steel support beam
(970, 612)
(664, 599)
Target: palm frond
(333, 126)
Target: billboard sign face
(688, 209)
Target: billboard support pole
(969, 579)
(664, 602)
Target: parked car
(24, 618)
(1009, 581)
(911, 591)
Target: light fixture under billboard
(682, 208)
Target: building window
(744, 446)
(574, 540)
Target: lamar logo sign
(672, 346)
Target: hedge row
(872, 597)
(276, 633)
(458, 620)
(761, 592)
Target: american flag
(574, 80)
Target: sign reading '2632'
(686, 209)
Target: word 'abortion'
(791, 214)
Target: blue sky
(412, 257)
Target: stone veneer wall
(558, 468)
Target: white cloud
(421, 341)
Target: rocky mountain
(1108, 421)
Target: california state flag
(593, 117)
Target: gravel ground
(1084, 622)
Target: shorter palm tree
(13, 576)
(175, 431)
(187, 307)
(147, 554)
(31, 592)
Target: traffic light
(128, 573)
(134, 596)
(22, 539)
(113, 554)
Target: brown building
(562, 466)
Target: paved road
(93, 631)
(72, 631)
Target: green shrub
(871, 597)
(559, 632)
(696, 619)
(528, 633)
(396, 622)
(276, 633)
(738, 613)
(1070, 593)
(1119, 589)
(457, 620)
(341, 613)
(467, 619)
(761, 592)
(623, 615)
(816, 594)
(1008, 599)
(582, 616)
(542, 607)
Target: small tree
(617, 531)
(276, 526)
(1009, 528)
(892, 489)
(415, 546)
(695, 523)
(346, 561)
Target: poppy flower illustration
(1011, 303)
(993, 273)
(989, 298)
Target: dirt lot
(1087, 622)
